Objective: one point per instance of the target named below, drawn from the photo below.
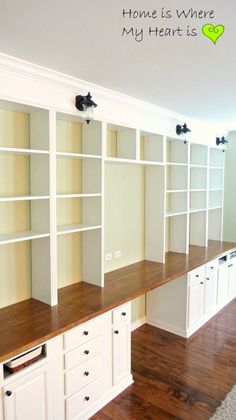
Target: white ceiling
(188, 75)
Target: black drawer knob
(201, 282)
(86, 351)
(197, 275)
(87, 398)
(208, 278)
(86, 373)
(212, 268)
(123, 314)
(85, 332)
(8, 393)
(116, 332)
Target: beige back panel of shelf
(111, 143)
(14, 129)
(14, 216)
(69, 137)
(69, 259)
(124, 214)
(14, 175)
(15, 279)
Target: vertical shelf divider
(188, 199)
(138, 145)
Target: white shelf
(192, 210)
(216, 167)
(174, 213)
(215, 189)
(16, 151)
(197, 189)
(133, 161)
(77, 156)
(215, 207)
(24, 198)
(198, 166)
(176, 164)
(61, 230)
(77, 195)
(8, 238)
(175, 191)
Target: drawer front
(121, 314)
(80, 376)
(83, 353)
(83, 333)
(81, 401)
(211, 266)
(197, 274)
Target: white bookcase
(52, 168)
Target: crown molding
(33, 71)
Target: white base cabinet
(183, 305)
(79, 372)
(30, 397)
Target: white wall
(230, 190)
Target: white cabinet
(210, 292)
(223, 284)
(29, 397)
(121, 343)
(185, 304)
(121, 352)
(196, 302)
(232, 278)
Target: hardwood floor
(177, 378)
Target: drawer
(211, 266)
(81, 401)
(83, 353)
(83, 333)
(121, 314)
(81, 375)
(197, 274)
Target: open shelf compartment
(198, 154)
(176, 151)
(74, 136)
(151, 147)
(121, 142)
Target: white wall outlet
(117, 254)
(108, 256)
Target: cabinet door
(196, 302)
(29, 398)
(121, 352)
(232, 278)
(210, 292)
(223, 284)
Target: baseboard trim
(167, 327)
(138, 323)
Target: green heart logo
(213, 32)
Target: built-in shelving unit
(53, 172)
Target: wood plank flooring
(177, 378)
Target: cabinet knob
(86, 373)
(208, 278)
(86, 351)
(116, 332)
(85, 332)
(8, 393)
(201, 282)
(212, 268)
(197, 275)
(87, 398)
(123, 314)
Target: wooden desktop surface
(30, 323)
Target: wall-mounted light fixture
(182, 130)
(85, 105)
(221, 140)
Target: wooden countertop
(30, 323)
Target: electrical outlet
(108, 256)
(117, 254)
